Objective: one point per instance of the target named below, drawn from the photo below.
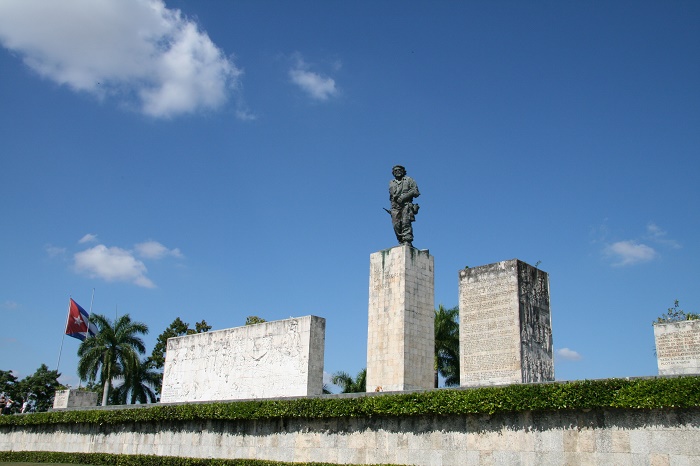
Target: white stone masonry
(401, 340)
(273, 359)
(678, 347)
(505, 333)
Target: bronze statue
(402, 190)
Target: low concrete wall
(598, 437)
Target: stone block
(400, 334)
(74, 398)
(505, 324)
(656, 459)
(678, 347)
(620, 441)
(640, 441)
(506, 457)
(272, 359)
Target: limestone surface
(272, 359)
(678, 347)
(400, 337)
(600, 437)
(505, 331)
(74, 398)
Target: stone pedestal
(401, 339)
(273, 359)
(74, 398)
(505, 333)
(678, 347)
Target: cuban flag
(78, 319)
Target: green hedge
(99, 459)
(678, 392)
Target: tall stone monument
(272, 359)
(401, 340)
(505, 333)
(678, 347)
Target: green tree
(676, 314)
(138, 384)
(252, 320)
(114, 350)
(350, 385)
(8, 383)
(39, 388)
(9, 386)
(92, 387)
(202, 327)
(447, 345)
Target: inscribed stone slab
(678, 347)
(505, 324)
(74, 398)
(272, 359)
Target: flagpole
(87, 332)
(64, 335)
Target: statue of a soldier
(402, 190)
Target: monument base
(401, 340)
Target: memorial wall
(505, 324)
(74, 398)
(272, 359)
(678, 347)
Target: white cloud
(155, 250)
(112, 264)
(89, 238)
(630, 252)
(11, 305)
(132, 49)
(245, 115)
(569, 354)
(655, 233)
(654, 230)
(55, 251)
(319, 87)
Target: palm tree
(348, 384)
(139, 384)
(113, 352)
(447, 345)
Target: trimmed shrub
(100, 459)
(652, 393)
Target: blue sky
(214, 160)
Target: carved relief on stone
(257, 361)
